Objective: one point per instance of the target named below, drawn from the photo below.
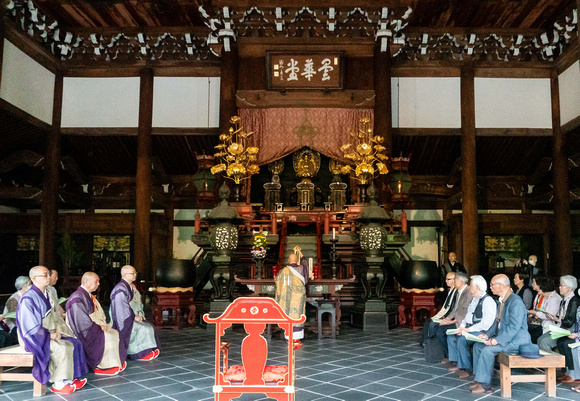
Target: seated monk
(87, 320)
(57, 322)
(137, 339)
(57, 358)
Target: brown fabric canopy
(279, 132)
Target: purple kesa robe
(123, 319)
(32, 308)
(78, 308)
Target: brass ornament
(237, 159)
(366, 153)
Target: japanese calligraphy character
(292, 70)
(308, 69)
(326, 67)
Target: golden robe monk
(291, 284)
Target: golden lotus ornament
(237, 159)
(366, 153)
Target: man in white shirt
(479, 319)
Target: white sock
(59, 384)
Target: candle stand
(334, 256)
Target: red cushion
(237, 373)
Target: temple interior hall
(207, 142)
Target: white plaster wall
(183, 246)
(423, 244)
(569, 85)
(26, 84)
(186, 102)
(100, 102)
(512, 103)
(429, 102)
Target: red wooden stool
(411, 303)
(253, 376)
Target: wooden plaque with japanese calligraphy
(287, 71)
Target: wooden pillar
(1, 47)
(382, 87)
(228, 84)
(562, 257)
(469, 172)
(50, 182)
(142, 261)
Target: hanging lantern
(400, 179)
(204, 180)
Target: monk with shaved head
(58, 357)
(89, 323)
(137, 337)
(291, 291)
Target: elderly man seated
(446, 309)
(479, 319)
(57, 358)
(87, 320)
(8, 332)
(509, 332)
(457, 315)
(137, 339)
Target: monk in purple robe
(87, 320)
(137, 338)
(57, 358)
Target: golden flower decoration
(253, 150)
(235, 148)
(253, 169)
(364, 149)
(382, 168)
(218, 168)
(236, 169)
(235, 120)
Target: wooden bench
(16, 356)
(550, 361)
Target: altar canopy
(279, 132)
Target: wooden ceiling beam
(482, 132)
(159, 131)
(260, 4)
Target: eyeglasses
(43, 275)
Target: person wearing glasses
(445, 311)
(57, 358)
(510, 330)
(137, 338)
(454, 319)
(565, 318)
(87, 320)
